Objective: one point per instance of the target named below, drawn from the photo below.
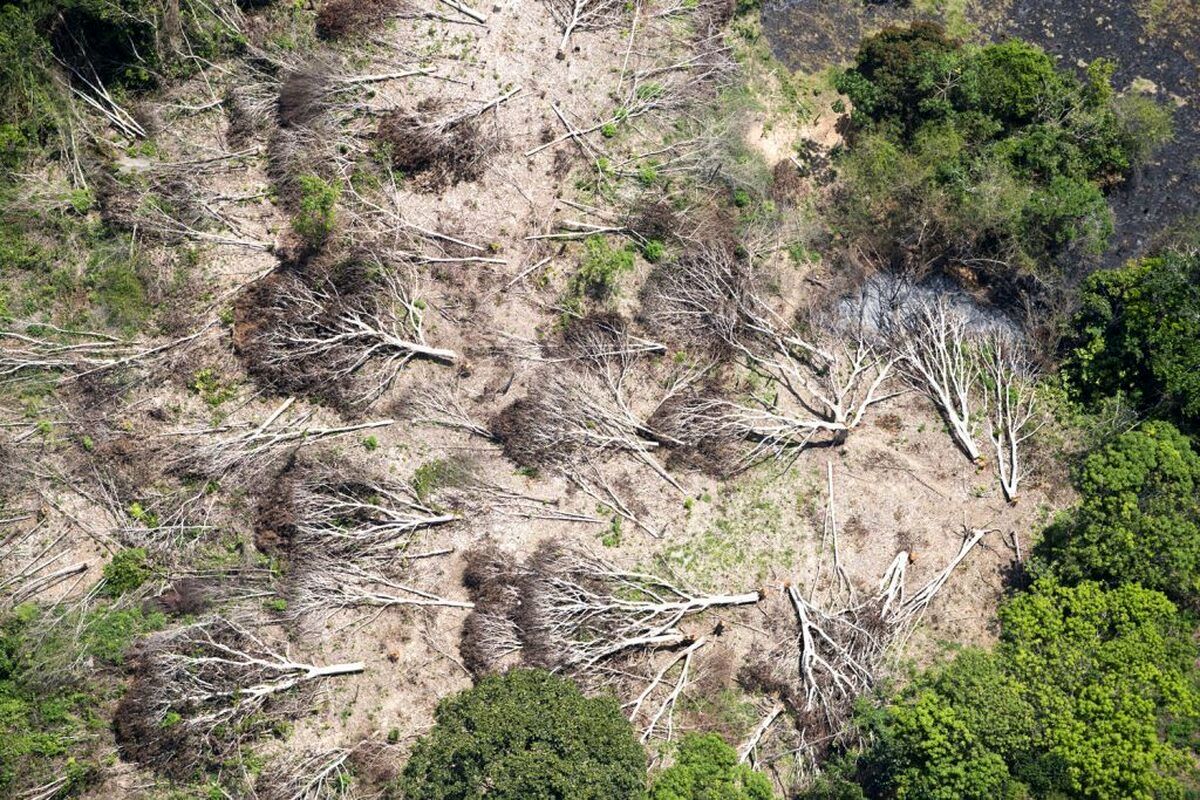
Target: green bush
(127, 570)
(601, 267)
(1137, 334)
(317, 214)
(984, 153)
(706, 768)
(523, 735)
(1139, 516)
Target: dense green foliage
(317, 215)
(985, 155)
(1139, 519)
(526, 735)
(1072, 703)
(127, 570)
(54, 681)
(600, 268)
(706, 768)
(1137, 334)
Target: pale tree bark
(1011, 401)
(937, 355)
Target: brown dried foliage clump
(436, 150)
(490, 633)
(303, 96)
(275, 516)
(513, 427)
(340, 18)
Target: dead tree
(1011, 404)
(569, 611)
(937, 354)
(344, 336)
(201, 688)
(30, 566)
(576, 418)
(823, 375)
(567, 417)
(441, 148)
(308, 775)
(658, 717)
(41, 348)
(350, 540)
(828, 657)
(579, 15)
(248, 451)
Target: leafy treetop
(1139, 519)
(527, 735)
(706, 768)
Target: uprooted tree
(199, 690)
(440, 147)
(249, 452)
(351, 539)
(824, 371)
(590, 402)
(342, 333)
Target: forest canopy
(990, 155)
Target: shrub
(706, 768)
(317, 214)
(127, 570)
(1139, 519)
(526, 734)
(600, 268)
(1145, 125)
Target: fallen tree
(350, 539)
(200, 689)
(343, 334)
(569, 611)
(823, 372)
(835, 655)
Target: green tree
(706, 768)
(984, 154)
(1076, 701)
(1013, 81)
(1137, 333)
(1139, 517)
(527, 735)
(953, 734)
(1103, 669)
